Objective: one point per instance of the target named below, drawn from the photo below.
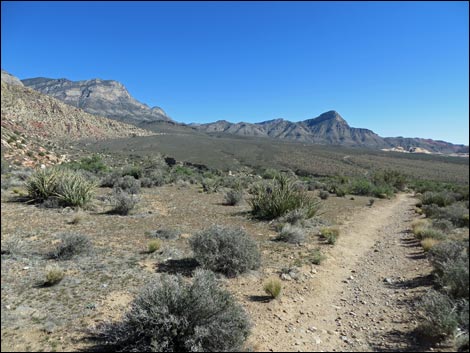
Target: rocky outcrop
(100, 97)
(10, 79)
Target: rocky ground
(361, 298)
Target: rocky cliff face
(100, 97)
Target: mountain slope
(101, 97)
(328, 128)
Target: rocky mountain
(100, 97)
(33, 122)
(9, 78)
(328, 128)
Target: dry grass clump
(154, 245)
(330, 234)
(273, 287)
(54, 275)
(428, 243)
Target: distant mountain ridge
(328, 128)
(111, 99)
(100, 97)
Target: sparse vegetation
(291, 234)
(428, 243)
(324, 194)
(273, 287)
(123, 202)
(171, 315)
(316, 257)
(128, 184)
(154, 245)
(226, 250)
(439, 317)
(233, 197)
(277, 198)
(330, 234)
(165, 233)
(71, 244)
(54, 275)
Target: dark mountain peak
(330, 116)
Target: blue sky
(397, 68)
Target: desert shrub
(428, 243)
(340, 191)
(457, 213)
(69, 188)
(210, 185)
(42, 184)
(430, 233)
(171, 315)
(109, 179)
(154, 245)
(54, 275)
(330, 234)
(233, 197)
(133, 171)
(450, 262)
(165, 233)
(291, 234)
(316, 257)
(73, 189)
(225, 250)
(5, 167)
(294, 217)
(441, 199)
(361, 187)
(383, 191)
(324, 194)
(273, 287)
(71, 244)
(129, 184)
(275, 199)
(146, 182)
(443, 225)
(438, 315)
(418, 226)
(269, 173)
(157, 178)
(92, 164)
(122, 201)
(390, 177)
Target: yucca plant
(277, 198)
(42, 184)
(73, 189)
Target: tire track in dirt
(362, 297)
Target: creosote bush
(226, 250)
(273, 287)
(171, 315)
(291, 234)
(70, 245)
(277, 198)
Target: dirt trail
(361, 298)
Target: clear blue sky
(398, 68)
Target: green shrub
(291, 234)
(73, 189)
(171, 315)
(324, 194)
(294, 217)
(210, 185)
(71, 244)
(390, 177)
(225, 250)
(233, 197)
(133, 171)
(431, 233)
(69, 188)
(438, 315)
(279, 197)
(441, 199)
(92, 164)
(443, 225)
(154, 245)
(316, 257)
(273, 287)
(362, 187)
(330, 234)
(122, 202)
